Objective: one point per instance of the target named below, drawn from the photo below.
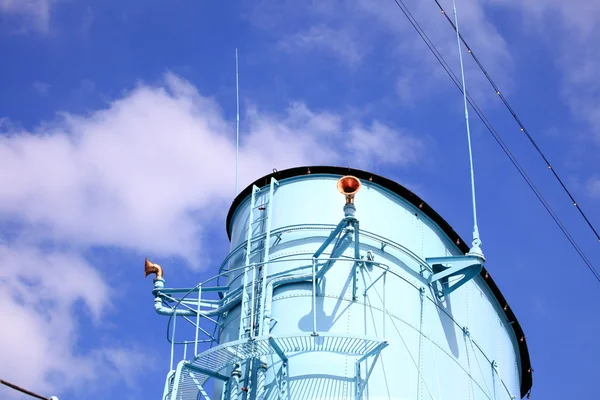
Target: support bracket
(444, 268)
(278, 350)
(339, 248)
(341, 237)
(360, 384)
(206, 372)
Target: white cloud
(571, 30)
(352, 29)
(593, 187)
(416, 60)
(36, 13)
(385, 145)
(132, 175)
(38, 292)
(141, 175)
(339, 42)
(41, 87)
(578, 16)
(125, 362)
(406, 88)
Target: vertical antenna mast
(237, 121)
(476, 245)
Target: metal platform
(187, 381)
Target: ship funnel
(268, 300)
(348, 186)
(151, 268)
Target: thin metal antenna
(237, 121)
(476, 245)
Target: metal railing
(304, 268)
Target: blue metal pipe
(231, 302)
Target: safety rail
(304, 273)
(307, 272)
(232, 296)
(279, 232)
(198, 307)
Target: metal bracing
(341, 244)
(207, 372)
(342, 236)
(346, 232)
(278, 350)
(444, 268)
(359, 383)
(382, 275)
(336, 231)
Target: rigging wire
(25, 391)
(518, 120)
(496, 135)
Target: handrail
(230, 303)
(298, 227)
(295, 275)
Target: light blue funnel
(362, 295)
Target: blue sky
(118, 127)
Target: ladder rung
(256, 233)
(256, 241)
(259, 220)
(256, 245)
(256, 238)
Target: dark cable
(496, 136)
(518, 120)
(20, 389)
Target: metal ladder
(257, 254)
